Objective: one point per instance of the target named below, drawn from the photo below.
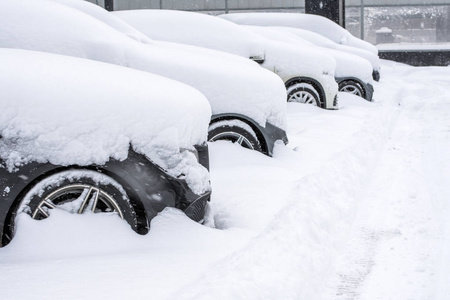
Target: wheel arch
(255, 126)
(356, 80)
(45, 170)
(316, 84)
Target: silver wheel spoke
(85, 200)
(43, 212)
(240, 140)
(94, 203)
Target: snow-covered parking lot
(355, 207)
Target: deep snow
(354, 207)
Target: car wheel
(235, 131)
(303, 93)
(352, 87)
(77, 192)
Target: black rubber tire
(234, 131)
(111, 188)
(352, 87)
(303, 93)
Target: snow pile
(282, 223)
(67, 111)
(231, 85)
(315, 23)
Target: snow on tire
(235, 131)
(303, 93)
(78, 191)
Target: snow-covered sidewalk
(400, 246)
(353, 208)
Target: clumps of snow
(69, 111)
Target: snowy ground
(355, 207)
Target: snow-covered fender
(139, 177)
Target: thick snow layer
(321, 41)
(99, 13)
(194, 29)
(347, 65)
(315, 23)
(197, 29)
(355, 207)
(231, 85)
(67, 110)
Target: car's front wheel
(303, 93)
(351, 87)
(78, 192)
(235, 131)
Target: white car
(340, 38)
(353, 73)
(247, 102)
(308, 74)
(80, 135)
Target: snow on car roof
(347, 64)
(310, 22)
(98, 13)
(231, 85)
(322, 41)
(215, 33)
(67, 111)
(189, 28)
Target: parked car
(353, 73)
(340, 38)
(248, 103)
(80, 135)
(307, 73)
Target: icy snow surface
(355, 207)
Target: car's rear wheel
(351, 87)
(235, 131)
(303, 93)
(77, 192)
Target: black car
(69, 142)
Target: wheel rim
(303, 97)
(351, 89)
(77, 198)
(233, 137)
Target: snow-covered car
(306, 73)
(335, 36)
(353, 73)
(81, 135)
(247, 102)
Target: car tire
(235, 131)
(351, 87)
(303, 93)
(77, 191)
